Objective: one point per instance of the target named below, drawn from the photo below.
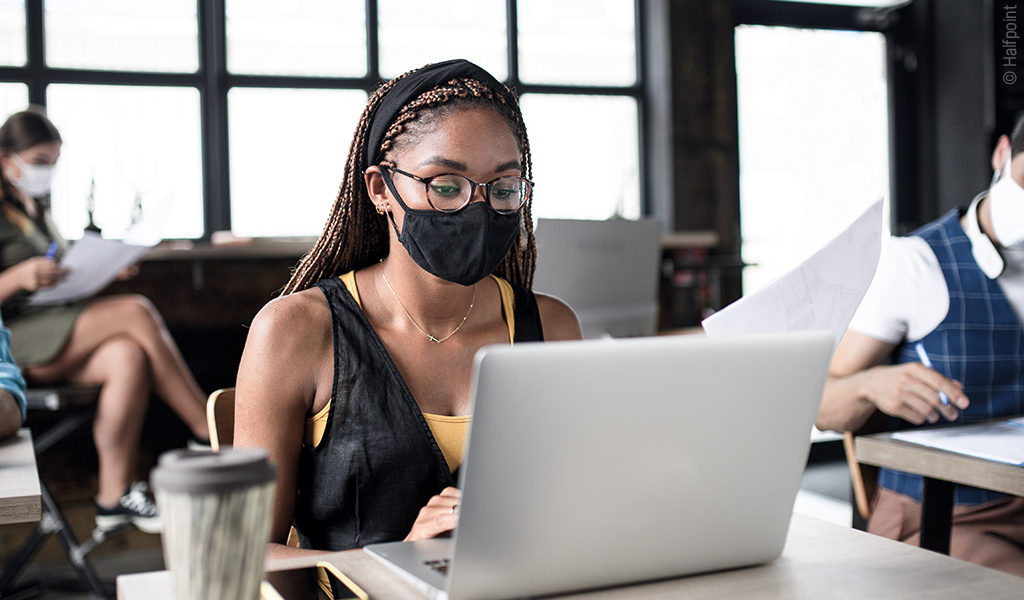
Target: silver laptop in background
(608, 271)
(599, 463)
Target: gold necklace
(430, 337)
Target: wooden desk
(20, 498)
(941, 470)
(821, 560)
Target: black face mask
(461, 247)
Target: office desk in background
(20, 498)
(941, 469)
(821, 560)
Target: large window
(288, 151)
(580, 174)
(413, 32)
(237, 114)
(12, 32)
(13, 97)
(814, 140)
(131, 147)
(318, 38)
(122, 35)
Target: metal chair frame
(80, 404)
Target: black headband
(410, 87)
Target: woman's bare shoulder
(284, 351)
(292, 321)
(300, 306)
(558, 319)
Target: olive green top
(38, 333)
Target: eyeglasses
(452, 192)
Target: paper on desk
(821, 293)
(92, 263)
(1002, 441)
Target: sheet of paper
(823, 292)
(92, 263)
(1001, 442)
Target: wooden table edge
(881, 450)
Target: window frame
(898, 24)
(214, 81)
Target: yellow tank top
(448, 432)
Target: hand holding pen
(40, 271)
(908, 391)
(948, 408)
(919, 348)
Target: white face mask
(35, 179)
(1006, 203)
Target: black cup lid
(193, 471)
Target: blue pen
(52, 251)
(919, 347)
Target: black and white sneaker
(136, 506)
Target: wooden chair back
(863, 477)
(220, 417)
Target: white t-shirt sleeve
(908, 297)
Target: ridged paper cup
(216, 510)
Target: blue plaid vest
(979, 343)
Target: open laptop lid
(601, 463)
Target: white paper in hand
(823, 292)
(92, 263)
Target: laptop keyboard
(440, 565)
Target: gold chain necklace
(432, 338)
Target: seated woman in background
(118, 342)
(357, 379)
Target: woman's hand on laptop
(441, 514)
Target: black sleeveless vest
(377, 463)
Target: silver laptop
(608, 271)
(598, 463)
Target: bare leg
(135, 318)
(120, 365)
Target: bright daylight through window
(129, 85)
(814, 140)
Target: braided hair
(356, 236)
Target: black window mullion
(97, 77)
(805, 14)
(36, 65)
(300, 82)
(512, 29)
(581, 90)
(646, 206)
(213, 91)
(372, 45)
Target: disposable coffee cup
(216, 511)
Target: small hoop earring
(380, 209)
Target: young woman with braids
(118, 342)
(357, 379)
